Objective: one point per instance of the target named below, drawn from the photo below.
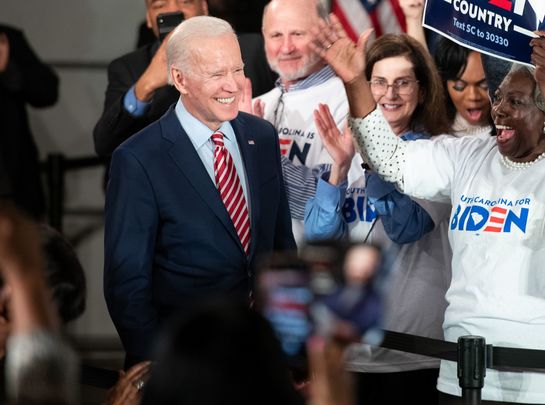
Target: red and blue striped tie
(228, 184)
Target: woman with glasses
(354, 202)
(496, 187)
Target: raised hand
(245, 101)
(339, 145)
(339, 51)
(538, 59)
(155, 76)
(245, 104)
(412, 9)
(259, 108)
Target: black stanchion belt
(495, 356)
(420, 345)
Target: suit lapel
(188, 161)
(246, 144)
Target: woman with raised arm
(356, 203)
(496, 187)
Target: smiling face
(519, 123)
(397, 109)
(190, 8)
(212, 87)
(469, 93)
(286, 29)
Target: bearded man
(304, 81)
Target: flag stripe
(385, 16)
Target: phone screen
(285, 301)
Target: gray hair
(180, 45)
(321, 10)
(529, 70)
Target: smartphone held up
(328, 289)
(166, 23)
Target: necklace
(519, 165)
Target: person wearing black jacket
(138, 93)
(24, 79)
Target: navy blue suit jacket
(169, 238)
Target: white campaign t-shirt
(497, 234)
(294, 121)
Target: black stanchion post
(471, 367)
(55, 185)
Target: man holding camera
(137, 92)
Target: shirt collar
(198, 133)
(316, 78)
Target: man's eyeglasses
(403, 87)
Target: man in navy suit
(169, 237)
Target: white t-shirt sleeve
(430, 168)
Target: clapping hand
(347, 60)
(128, 389)
(338, 144)
(339, 51)
(245, 104)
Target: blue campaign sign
(501, 28)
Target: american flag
(356, 16)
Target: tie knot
(217, 138)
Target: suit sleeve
(26, 76)
(283, 238)
(116, 124)
(131, 229)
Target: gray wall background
(95, 31)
